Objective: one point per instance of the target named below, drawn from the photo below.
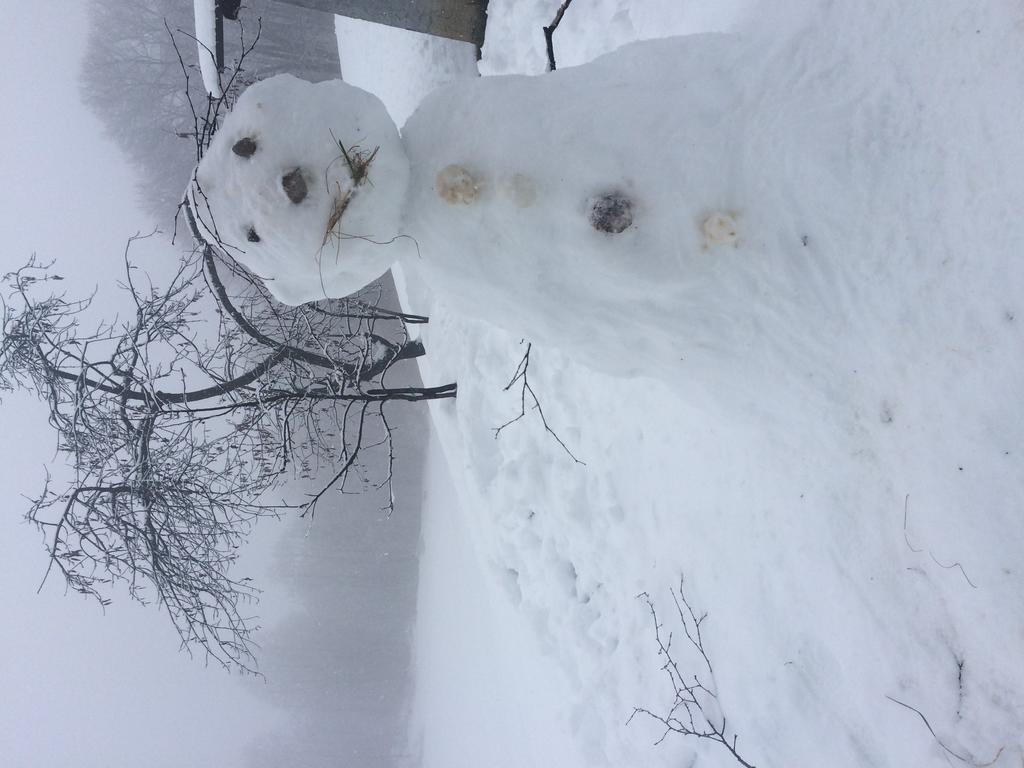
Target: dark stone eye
(251, 236)
(611, 213)
(294, 186)
(244, 147)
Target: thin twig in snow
(521, 376)
(915, 550)
(906, 537)
(938, 741)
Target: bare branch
(695, 710)
(169, 478)
(521, 376)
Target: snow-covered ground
(845, 501)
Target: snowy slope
(849, 515)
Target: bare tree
(176, 437)
(179, 421)
(695, 709)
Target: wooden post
(455, 19)
(218, 33)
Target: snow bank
(303, 184)
(850, 521)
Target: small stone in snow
(611, 213)
(456, 185)
(720, 229)
(294, 186)
(244, 147)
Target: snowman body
(633, 211)
(639, 212)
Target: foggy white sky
(79, 687)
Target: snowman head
(303, 184)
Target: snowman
(633, 211)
